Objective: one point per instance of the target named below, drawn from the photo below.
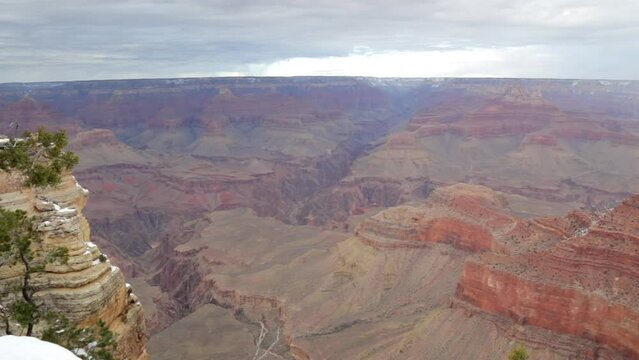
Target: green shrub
(519, 353)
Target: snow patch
(80, 352)
(30, 348)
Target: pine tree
(39, 156)
(17, 237)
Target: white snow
(30, 348)
(65, 211)
(91, 245)
(80, 352)
(77, 184)
(95, 262)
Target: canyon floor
(355, 218)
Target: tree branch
(268, 351)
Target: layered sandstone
(582, 279)
(88, 287)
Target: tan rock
(87, 288)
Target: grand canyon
(356, 218)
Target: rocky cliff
(88, 287)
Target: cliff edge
(88, 287)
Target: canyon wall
(327, 208)
(429, 280)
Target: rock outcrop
(466, 217)
(88, 287)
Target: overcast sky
(105, 39)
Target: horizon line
(244, 77)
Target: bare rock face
(577, 275)
(88, 288)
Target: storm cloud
(87, 39)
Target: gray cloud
(95, 39)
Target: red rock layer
(583, 282)
(465, 216)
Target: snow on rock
(82, 189)
(45, 205)
(30, 348)
(66, 211)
